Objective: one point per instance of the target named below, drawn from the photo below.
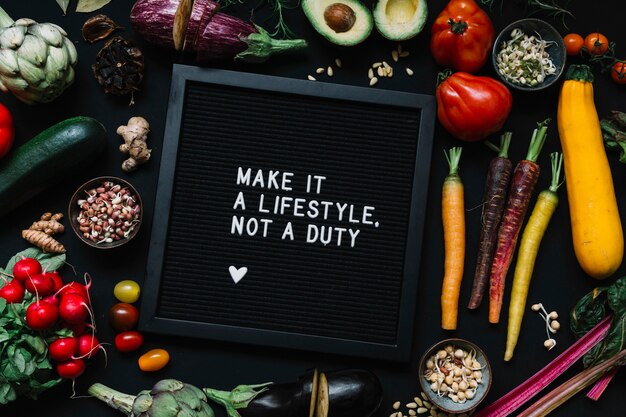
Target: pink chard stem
(598, 389)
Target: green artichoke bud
(168, 398)
(36, 59)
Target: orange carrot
(453, 215)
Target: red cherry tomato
(618, 72)
(128, 341)
(573, 43)
(153, 360)
(27, 267)
(123, 316)
(596, 44)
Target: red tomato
(123, 316)
(462, 36)
(618, 72)
(128, 341)
(573, 43)
(470, 107)
(596, 44)
(6, 131)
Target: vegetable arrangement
(453, 214)
(43, 322)
(523, 183)
(596, 225)
(529, 248)
(348, 393)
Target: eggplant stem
(115, 399)
(239, 397)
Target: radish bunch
(61, 312)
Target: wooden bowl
(74, 210)
(445, 403)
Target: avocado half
(343, 22)
(398, 20)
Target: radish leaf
(88, 6)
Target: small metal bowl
(444, 403)
(548, 33)
(74, 210)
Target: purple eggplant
(198, 27)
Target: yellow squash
(596, 226)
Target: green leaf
(7, 393)
(10, 372)
(18, 360)
(588, 311)
(616, 296)
(88, 6)
(3, 305)
(4, 335)
(37, 343)
(63, 5)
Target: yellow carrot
(529, 247)
(453, 215)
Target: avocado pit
(339, 17)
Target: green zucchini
(57, 152)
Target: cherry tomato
(596, 44)
(127, 291)
(573, 43)
(123, 316)
(153, 360)
(618, 72)
(128, 341)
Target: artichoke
(168, 398)
(36, 59)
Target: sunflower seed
(385, 64)
(381, 72)
(427, 404)
(311, 78)
(403, 54)
(409, 71)
(396, 405)
(329, 71)
(376, 64)
(370, 73)
(320, 70)
(433, 412)
(338, 62)
(394, 55)
(411, 405)
(422, 410)
(373, 81)
(424, 396)
(412, 413)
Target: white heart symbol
(237, 274)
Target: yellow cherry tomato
(127, 291)
(153, 360)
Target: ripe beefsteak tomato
(470, 107)
(462, 36)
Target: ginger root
(135, 135)
(40, 233)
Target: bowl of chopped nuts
(105, 212)
(529, 55)
(455, 375)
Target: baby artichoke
(36, 59)
(167, 398)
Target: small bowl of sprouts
(529, 55)
(455, 375)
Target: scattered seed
(412, 413)
(320, 70)
(389, 72)
(373, 81)
(396, 405)
(433, 412)
(411, 405)
(403, 54)
(370, 73)
(311, 78)
(381, 72)
(409, 71)
(427, 404)
(424, 396)
(418, 401)
(386, 65)
(422, 410)
(394, 414)
(329, 71)
(394, 55)
(376, 64)
(338, 62)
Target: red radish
(41, 285)
(52, 299)
(41, 315)
(73, 308)
(63, 349)
(12, 292)
(523, 183)
(74, 288)
(56, 278)
(78, 329)
(498, 178)
(27, 267)
(88, 346)
(217, 35)
(71, 369)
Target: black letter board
(289, 213)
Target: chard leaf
(88, 6)
(588, 311)
(63, 5)
(611, 345)
(616, 296)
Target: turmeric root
(135, 135)
(49, 224)
(43, 241)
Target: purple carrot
(498, 178)
(523, 183)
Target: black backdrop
(558, 280)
